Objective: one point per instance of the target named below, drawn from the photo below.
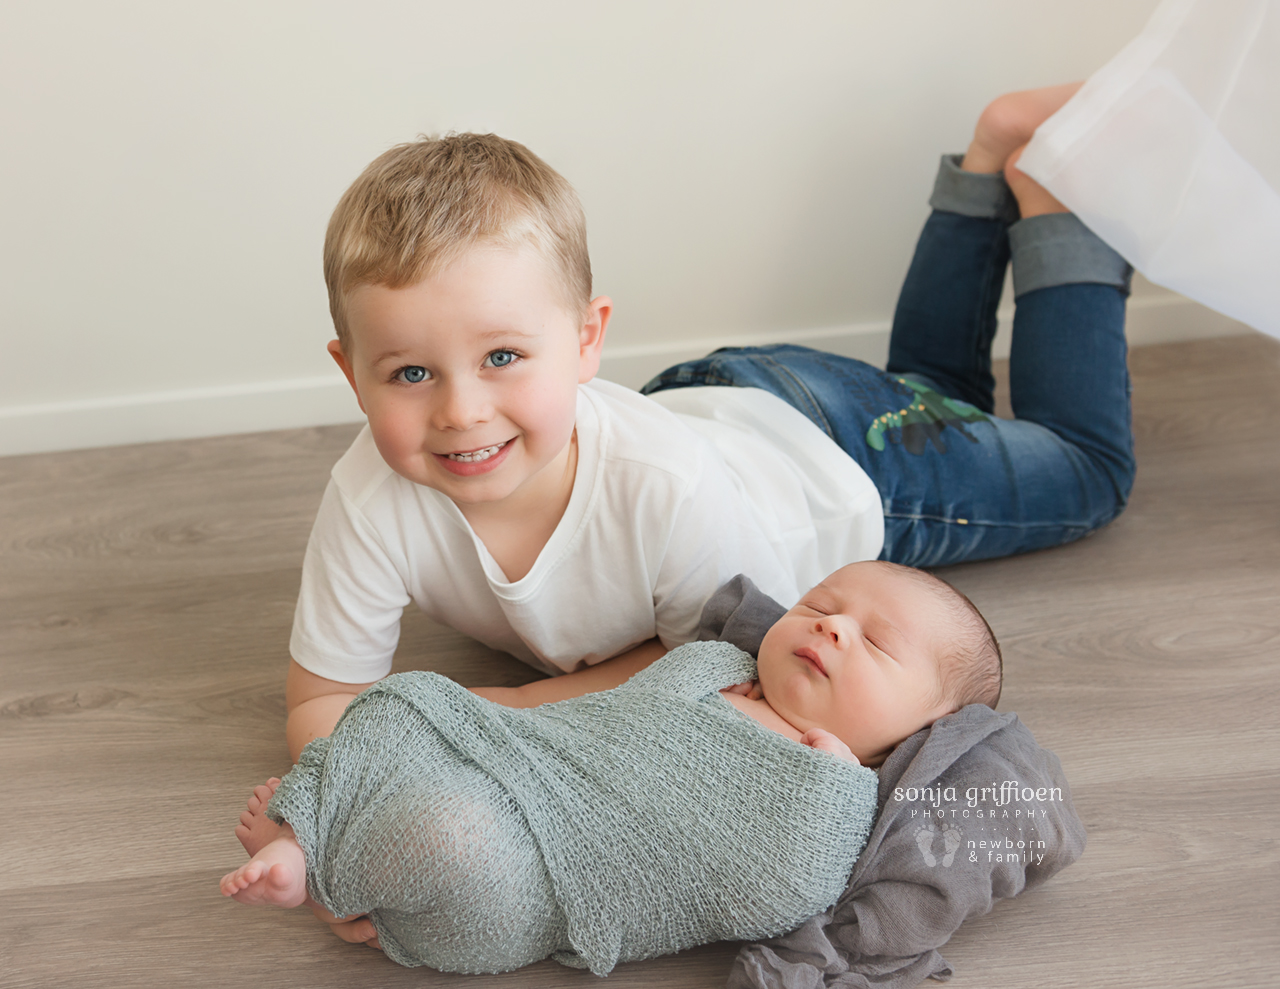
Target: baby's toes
(252, 871)
(278, 877)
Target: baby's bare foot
(1008, 123)
(276, 875)
(255, 829)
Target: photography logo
(994, 824)
(926, 834)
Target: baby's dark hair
(972, 671)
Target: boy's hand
(357, 929)
(820, 738)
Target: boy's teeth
(477, 455)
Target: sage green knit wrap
(608, 828)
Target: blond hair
(421, 205)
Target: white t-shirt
(665, 508)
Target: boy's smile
(469, 462)
(470, 378)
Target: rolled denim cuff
(1058, 249)
(978, 194)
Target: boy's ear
(335, 351)
(591, 337)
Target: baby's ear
(591, 337)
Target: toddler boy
(567, 521)
(560, 519)
(634, 822)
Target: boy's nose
(461, 405)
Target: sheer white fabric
(1171, 154)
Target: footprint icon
(924, 841)
(950, 842)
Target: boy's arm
(314, 705)
(603, 676)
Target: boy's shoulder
(629, 428)
(361, 471)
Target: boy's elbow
(301, 686)
(313, 705)
(314, 718)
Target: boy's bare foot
(1033, 198)
(255, 829)
(1008, 123)
(277, 875)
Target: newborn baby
(710, 796)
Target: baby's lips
(811, 656)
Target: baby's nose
(831, 627)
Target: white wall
(749, 169)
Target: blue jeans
(958, 483)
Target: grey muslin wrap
(950, 840)
(607, 828)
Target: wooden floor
(145, 600)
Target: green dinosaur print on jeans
(923, 421)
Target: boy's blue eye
(413, 374)
(501, 358)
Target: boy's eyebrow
(388, 356)
(503, 332)
(499, 334)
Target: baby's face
(859, 657)
(470, 377)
